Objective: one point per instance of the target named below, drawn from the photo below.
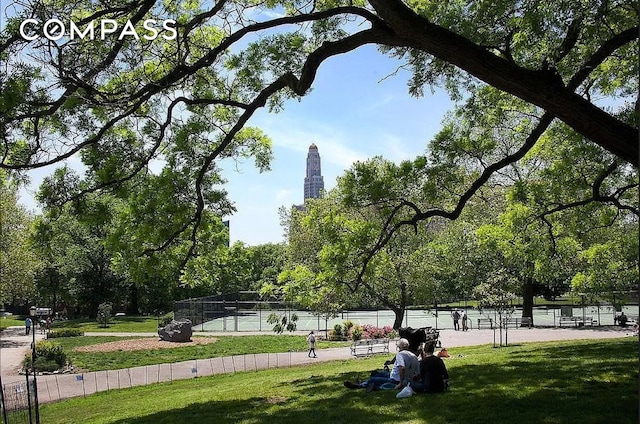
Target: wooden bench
(526, 322)
(366, 347)
(577, 321)
(485, 321)
(517, 322)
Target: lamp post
(32, 312)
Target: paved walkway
(14, 344)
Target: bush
(348, 324)
(165, 319)
(49, 357)
(337, 333)
(373, 332)
(104, 314)
(46, 365)
(64, 332)
(355, 332)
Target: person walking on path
(311, 339)
(27, 325)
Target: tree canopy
(528, 78)
(18, 262)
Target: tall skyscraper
(313, 182)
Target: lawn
(11, 321)
(224, 346)
(577, 382)
(126, 324)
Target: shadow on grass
(578, 383)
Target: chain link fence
(18, 403)
(57, 387)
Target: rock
(176, 331)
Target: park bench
(517, 322)
(526, 321)
(485, 321)
(577, 321)
(365, 347)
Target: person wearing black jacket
(434, 377)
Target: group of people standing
(45, 325)
(457, 316)
(411, 373)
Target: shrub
(337, 329)
(355, 332)
(347, 326)
(64, 332)
(104, 314)
(46, 365)
(373, 332)
(165, 319)
(49, 357)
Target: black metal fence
(18, 402)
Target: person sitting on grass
(405, 367)
(434, 377)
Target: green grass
(224, 346)
(127, 324)
(579, 382)
(11, 321)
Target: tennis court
(236, 319)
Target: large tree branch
(391, 227)
(598, 196)
(298, 85)
(180, 72)
(543, 88)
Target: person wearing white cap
(405, 368)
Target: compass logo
(55, 29)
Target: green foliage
(19, 264)
(284, 321)
(104, 314)
(183, 105)
(337, 333)
(356, 332)
(77, 269)
(165, 319)
(66, 332)
(49, 357)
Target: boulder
(176, 331)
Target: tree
(104, 314)
(77, 270)
(127, 100)
(18, 261)
(327, 244)
(498, 293)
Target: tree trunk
(397, 323)
(134, 306)
(527, 299)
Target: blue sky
(355, 111)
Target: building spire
(313, 182)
